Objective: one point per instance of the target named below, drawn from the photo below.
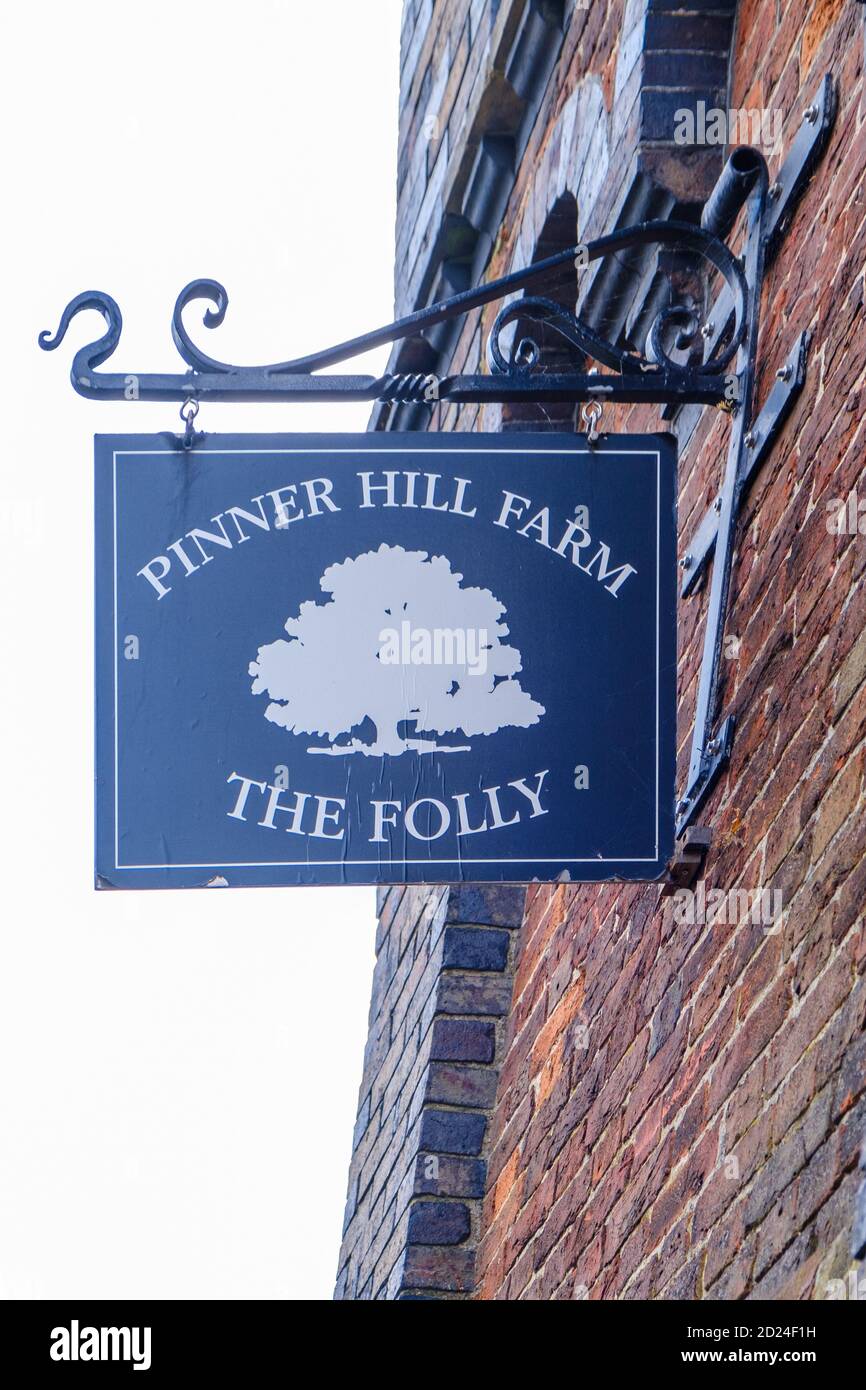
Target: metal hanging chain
(188, 411)
(591, 414)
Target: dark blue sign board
(384, 658)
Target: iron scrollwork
(517, 375)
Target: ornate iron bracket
(514, 376)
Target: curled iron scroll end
(674, 316)
(548, 314)
(90, 299)
(589, 342)
(204, 289)
(212, 318)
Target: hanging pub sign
(384, 658)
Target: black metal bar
(704, 761)
(731, 191)
(789, 382)
(800, 163)
(718, 756)
(654, 388)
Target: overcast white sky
(179, 1071)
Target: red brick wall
(680, 1108)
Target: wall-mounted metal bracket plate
(686, 865)
(789, 382)
(800, 163)
(768, 215)
(719, 751)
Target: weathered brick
(488, 906)
(452, 1131)
(457, 1084)
(474, 994)
(447, 1175)
(467, 948)
(463, 1040)
(431, 1267)
(438, 1223)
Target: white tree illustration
(329, 677)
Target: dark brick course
(438, 1223)
(451, 1132)
(463, 1040)
(469, 949)
(429, 1085)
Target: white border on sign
(386, 863)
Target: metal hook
(188, 411)
(591, 414)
